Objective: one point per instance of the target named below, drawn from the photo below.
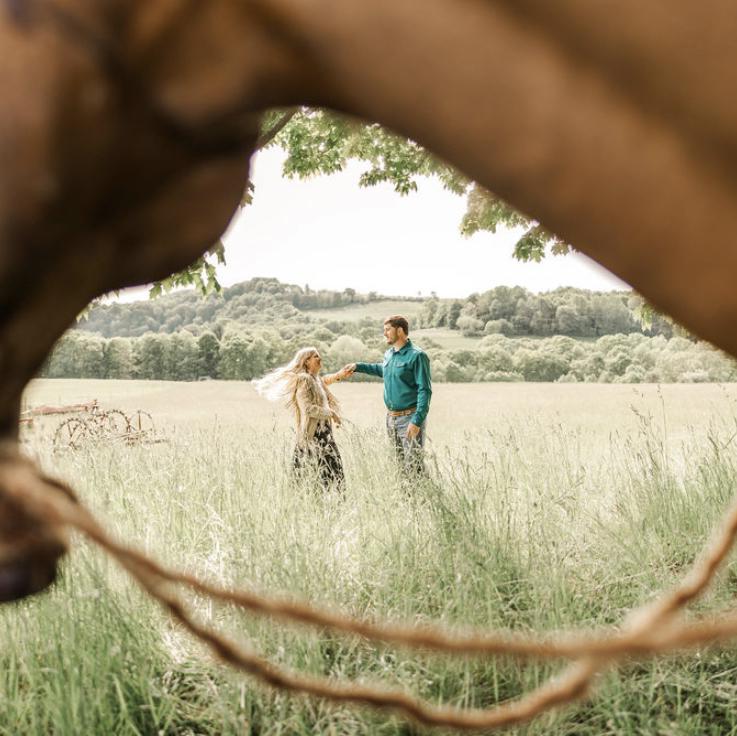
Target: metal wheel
(71, 434)
(113, 424)
(141, 426)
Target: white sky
(330, 233)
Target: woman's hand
(336, 418)
(346, 371)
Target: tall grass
(524, 526)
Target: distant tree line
(514, 311)
(258, 301)
(240, 354)
(233, 354)
(562, 335)
(633, 358)
(509, 311)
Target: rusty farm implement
(89, 424)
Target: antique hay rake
(110, 426)
(92, 425)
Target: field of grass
(550, 506)
(375, 310)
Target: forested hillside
(258, 301)
(511, 311)
(504, 334)
(514, 311)
(242, 354)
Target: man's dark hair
(398, 321)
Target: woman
(315, 409)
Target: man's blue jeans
(409, 452)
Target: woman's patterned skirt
(321, 459)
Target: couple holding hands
(407, 391)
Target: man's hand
(412, 431)
(346, 371)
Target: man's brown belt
(402, 412)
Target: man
(407, 391)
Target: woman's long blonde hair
(281, 383)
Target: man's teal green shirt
(407, 382)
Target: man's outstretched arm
(373, 369)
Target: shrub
(504, 377)
(498, 327)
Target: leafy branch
(318, 142)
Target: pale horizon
(332, 234)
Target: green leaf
(201, 274)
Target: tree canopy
(320, 142)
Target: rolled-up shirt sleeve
(373, 369)
(424, 388)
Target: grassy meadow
(376, 310)
(549, 506)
